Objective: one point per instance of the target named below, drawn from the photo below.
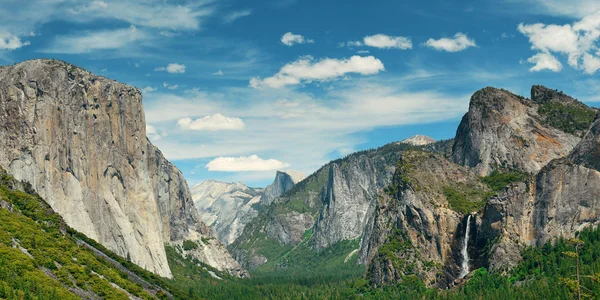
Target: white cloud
(152, 133)
(381, 41)
(172, 68)
(307, 69)
(11, 42)
(244, 163)
(170, 86)
(148, 90)
(556, 38)
(236, 15)
(215, 122)
(290, 39)
(88, 41)
(294, 126)
(218, 73)
(544, 61)
(363, 51)
(577, 41)
(459, 42)
(388, 42)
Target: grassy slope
(42, 258)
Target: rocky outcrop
(228, 207)
(284, 181)
(80, 140)
(559, 201)
(415, 224)
(503, 131)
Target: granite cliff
(80, 141)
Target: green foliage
(499, 180)
(397, 243)
(189, 245)
(567, 117)
(36, 247)
(462, 201)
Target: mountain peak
(294, 175)
(418, 140)
(542, 95)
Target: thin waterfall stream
(464, 270)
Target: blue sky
(234, 90)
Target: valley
(91, 209)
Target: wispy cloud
(88, 41)
(232, 16)
(571, 8)
(170, 86)
(150, 13)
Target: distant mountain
(228, 207)
(418, 140)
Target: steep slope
(284, 181)
(417, 220)
(228, 207)
(328, 212)
(80, 140)
(42, 257)
(503, 131)
(561, 200)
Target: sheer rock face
(349, 198)
(334, 204)
(284, 181)
(80, 140)
(505, 131)
(415, 224)
(228, 207)
(559, 201)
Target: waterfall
(464, 270)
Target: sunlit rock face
(560, 200)
(80, 140)
(228, 207)
(418, 140)
(505, 131)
